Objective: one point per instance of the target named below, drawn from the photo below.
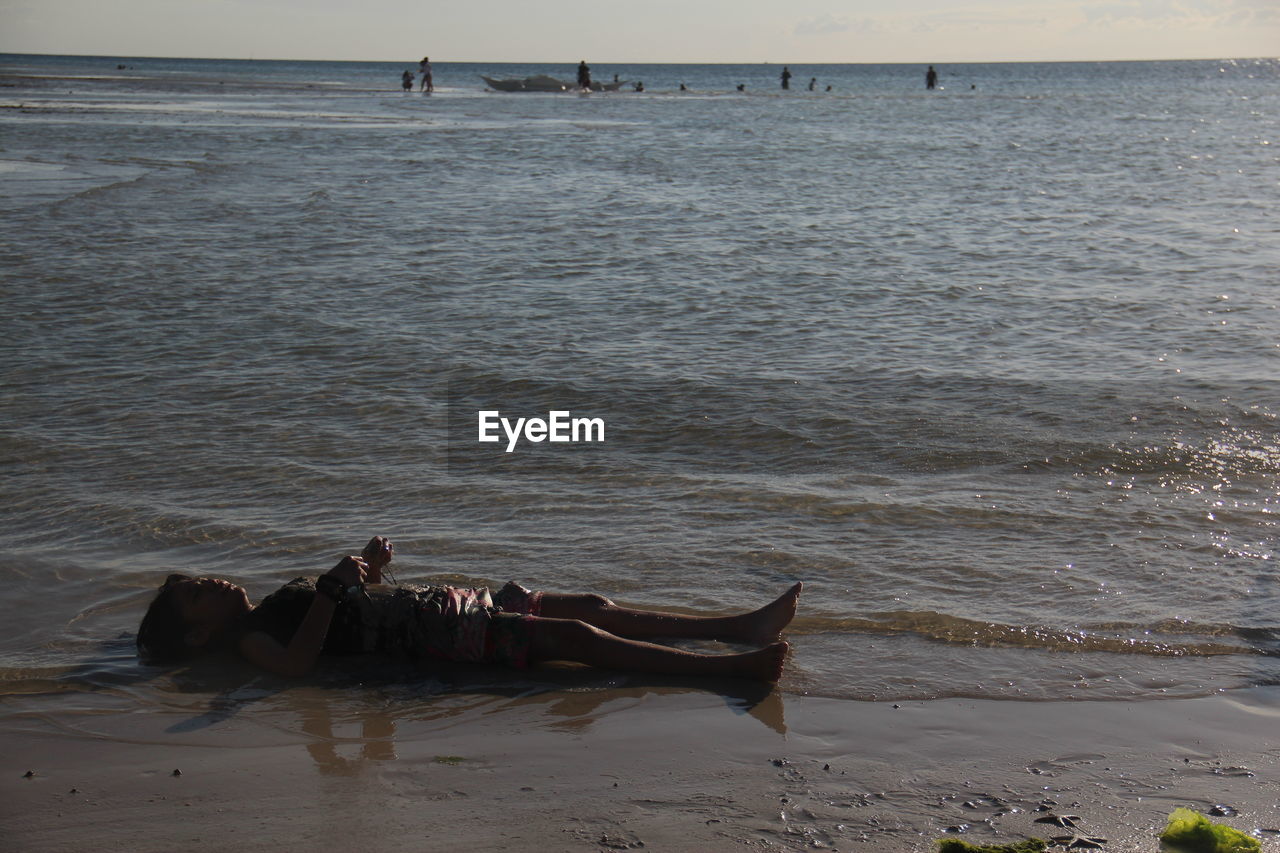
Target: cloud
(1258, 12)
(1146, 11)
(822, 25)
(1184, 12)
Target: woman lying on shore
(349, 611)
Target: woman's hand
(377, 554)
(350, 570)
(298, 656)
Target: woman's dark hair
(162, 636)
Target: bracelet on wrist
(331, 588)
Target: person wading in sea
(428, 82)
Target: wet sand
(631, 767)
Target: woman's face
(208, 602)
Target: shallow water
(989, 368)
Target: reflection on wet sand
(330, 719)
(578, 710)
(376, 741)
(347, 723)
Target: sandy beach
(632, 766)
(990, 368)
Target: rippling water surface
(989, 368)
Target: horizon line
(650, 62)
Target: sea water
(991, 368)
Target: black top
(398, 620)
(281, 612)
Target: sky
(747, 31)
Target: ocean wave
(1165, 639)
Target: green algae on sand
(955, 845)
(1191, 832)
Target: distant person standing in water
(931, 78)
(813, 83)
(406, 80)
(786, 77)
(584, 75)
(428, 84)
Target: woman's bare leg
(757, 627)
(577, 641)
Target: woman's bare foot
(765, 625)
(762, 664)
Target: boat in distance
(545, 83)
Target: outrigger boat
(545, 83)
